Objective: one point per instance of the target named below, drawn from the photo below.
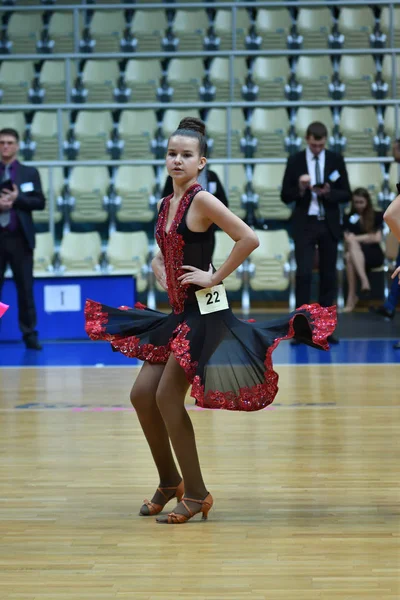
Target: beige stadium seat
(143, 78)
(366, 175)
(271, 75)
(16, 120)
(267, 182)
(223, 28)
(24, 31)
(234, 185)
(43, 216)
(185, 76)
(385, 25)
(149, 28)
(44, 252)
(129, 252)
(134, 185)
(390, 122)
(358, 73)
(53, 80)
(270, 126)
(137, 128)
(223, 248)
(305, 116)
(173, 117)
(271, 260)
(273, 24)
(315, 74)
(80, 251)
(89, 186)
(106, 28)
(92, 130)
(314, 24)
(387, 70)
(190, 27)
(219, 76)
(217, 130)
(15, 80)
(359, 126)
(100, 78)
(61, 30)
(44, 131)
(162, 176)
(356, 24)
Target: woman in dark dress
(363, 237)
(227, 361)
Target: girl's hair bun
(193, 124)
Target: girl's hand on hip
(196, 276)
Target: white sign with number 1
(62, 298)
(212, 299)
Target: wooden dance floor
(307, 493)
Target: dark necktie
(5, 217)
(318, 178)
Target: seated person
(363, 237)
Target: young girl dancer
(227, 361)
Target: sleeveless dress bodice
(181, 246)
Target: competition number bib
(212, 299)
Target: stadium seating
(121, 195)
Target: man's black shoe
(32, 343)
(382, 312)
(396, 346)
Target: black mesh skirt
(228, 361)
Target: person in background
(20, 194)
(316, 183)
(363, 237)
(392, 218)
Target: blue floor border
(99, 354)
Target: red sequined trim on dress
(131, 347)
(172, 244)
(322, 321)
(95, 320)
(180, 347)
(95, 327)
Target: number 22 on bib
(212, 299)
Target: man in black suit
(316, 182)
(20, 194)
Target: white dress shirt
(311, 164)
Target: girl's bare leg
(171, 394)
(143, 398)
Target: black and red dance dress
(228, 361)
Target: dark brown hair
(195, 128)
(10, 131)
(317, 130)
(368, 215)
